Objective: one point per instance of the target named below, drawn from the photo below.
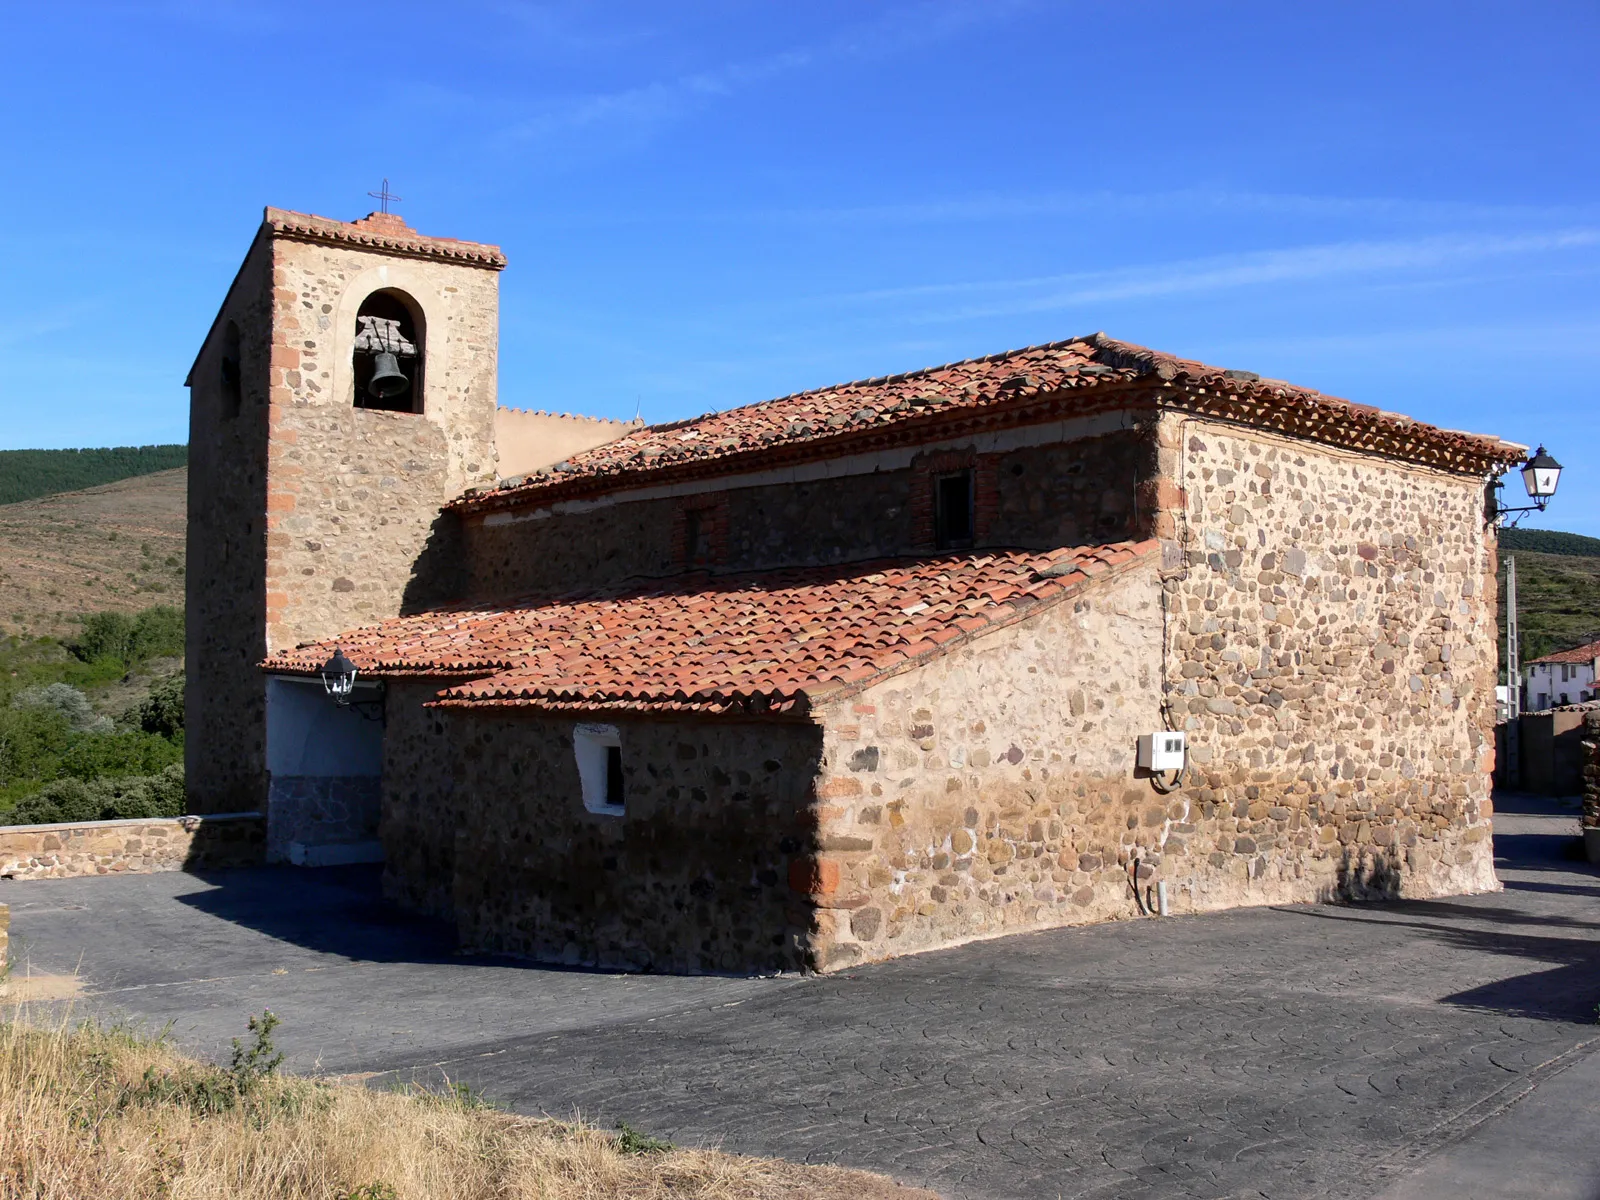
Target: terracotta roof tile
(1045, 382)
(1578, 654)
(382, 231)
(767, 642)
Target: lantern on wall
(1540, 474)
(339, 677)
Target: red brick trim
(927, 468)
(986, 499)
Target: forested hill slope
(28, 474)
(1558, 589)
(1548, 541)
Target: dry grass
(117, 546)
(93, 1111)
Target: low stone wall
(136, 846)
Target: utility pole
(1513, 772)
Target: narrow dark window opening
(232, 383)
(697, 537)
(952, 510)
(614, 776)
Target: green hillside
(28, 474)
(1548, 541)
(1558, 590)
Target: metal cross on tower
(383, 196)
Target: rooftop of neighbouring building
(1052, 381)
(1578, 654)
(762, 642)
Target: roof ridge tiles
(1046, 381)
(385, 231)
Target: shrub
(105, 635)
(157, 633)
(154, 633)
(32, 740)
(160, 712)
(130, 797)
(69, 702)
(125, 752)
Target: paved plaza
(1414, 1050)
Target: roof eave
(806, 700)
(1027, 408)
(1166, 383)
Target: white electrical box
(1162, 751)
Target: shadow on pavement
(1569, 988)
(333, 910)
(340, 911)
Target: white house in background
(1565, 677)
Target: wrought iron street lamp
(1540, 475)
(339, 677)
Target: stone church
(1073, 633)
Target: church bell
(387, 378)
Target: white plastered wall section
(324, 764)
(309, 734)
(533, 441)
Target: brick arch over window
(391, 311)
(931, 468)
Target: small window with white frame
(599, 752)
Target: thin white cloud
(1219, 273)
(40, 325)
(653, 103)
(988, 206)
(1576, 338)
(664, 101)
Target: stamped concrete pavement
(1284, 1052)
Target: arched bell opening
(388, 357)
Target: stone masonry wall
(307, 515)
(354, 531)
(320, 809)
(1329, 647)
(993, 789)
(695, 876)
(1331, 643)
(225, 585)
(1044, 497)
(421, 810)
(130, 847)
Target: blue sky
(709, 204)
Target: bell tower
(345, 391)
